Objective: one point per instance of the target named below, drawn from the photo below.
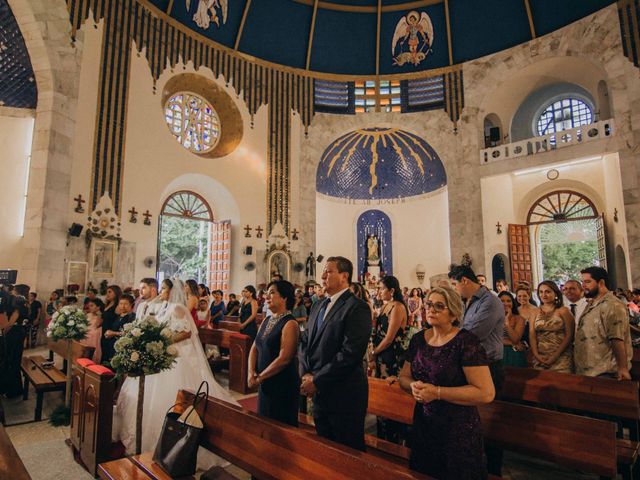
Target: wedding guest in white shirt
(574, 298)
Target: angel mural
(412, 39)
(209, 11)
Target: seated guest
(217, 308)
(446, 371)
(115, 331)
(299, 311)
(514, 327)
(203, 313)
(551, 333)
(204, 293)
(249, 312)
(233, 306)
(603, 340)
(272, 363)
(94, 316)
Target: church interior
(234, 142)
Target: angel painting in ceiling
(412, 39)
(209, 11)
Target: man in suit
(331, 357)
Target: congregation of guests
(446, 347)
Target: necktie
(573, 309)
(321, 313)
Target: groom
(149, 296)
(331, 353)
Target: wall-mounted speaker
(75, 230)
(494, 134)
(149, 262)
(250, 266)
(319, 258)
(248, 250)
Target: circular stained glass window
(193, 121)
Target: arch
(492, 120)
(500, 269)
(187, 204)
(604, 101)
(561, 206)
(370, 224)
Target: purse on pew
(177, 448)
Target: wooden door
(601, 236)
(220, 261)
(520, 254)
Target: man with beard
(603, 339)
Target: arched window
(193, 121)
(561, 206)
(564, 114)
(189, 205)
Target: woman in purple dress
(446, 371)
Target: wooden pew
(617, 400)
(11, 466)
(238, 346)
(231, 326)
(268, 450)
(572, 441)
(77, 351)
(635, 364)
(43, 380)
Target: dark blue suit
(333, 354)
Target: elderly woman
(446, 371)
(272, 363)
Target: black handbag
(177, 448)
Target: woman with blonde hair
(446, 370)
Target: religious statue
(373, 250)
(310, 266)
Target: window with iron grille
(563, 115)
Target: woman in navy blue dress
(249, 312)
(272, 363)
(446, 371)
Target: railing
(547, 143)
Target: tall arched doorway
(184, 235)
(566, 234)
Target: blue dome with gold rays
(379, 164)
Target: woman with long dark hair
(193, 297)
(272, 363)
(551, 334)
(109, 317)
(514, 327)
(249, 312)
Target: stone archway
(46, 30)
(620, 262)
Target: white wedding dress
(160, 390)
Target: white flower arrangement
(144, 349)
(69, 323)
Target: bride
(190, 369)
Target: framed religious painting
(103, 258)
(77, 278)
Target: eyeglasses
(437, 306)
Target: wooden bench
(92, 395)
(267, 450)
(11, 466)
(620, 401)
(229, 325)
(573, 441)
(238, 346)
(77, 351)
(43, 380)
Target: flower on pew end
(135, 356)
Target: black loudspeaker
(320, 258)
(494, 134)
(248, 250)
(75, 230)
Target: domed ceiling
(343, 36)
(379, 164)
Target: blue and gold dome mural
(379, 164)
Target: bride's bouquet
(69, 323)
(144, 349)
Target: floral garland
(69, 323)
(144, 349)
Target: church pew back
(11, 465)
(271, 450)
(238, 346)
(565, 439)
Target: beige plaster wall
(16, 133)
(419, 229)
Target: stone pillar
(56, 63)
